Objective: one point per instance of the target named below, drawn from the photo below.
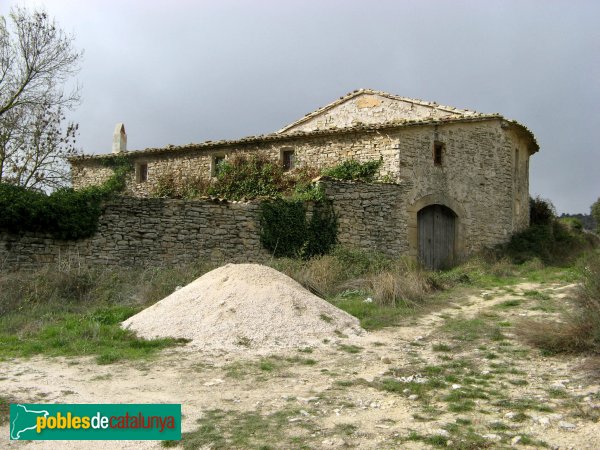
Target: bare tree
(37, 59)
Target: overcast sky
(188, 71)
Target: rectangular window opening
(142, 172)
(217, 162)
(288, 159)
(438, 152)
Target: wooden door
(436, 236)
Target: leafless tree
(37, 60)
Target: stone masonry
(147, 232)
(474, 165)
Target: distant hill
(586, 219)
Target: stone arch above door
(436, 199)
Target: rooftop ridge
(299, 134)
(348, 96)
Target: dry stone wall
(147, 232)
(162, 232)
(157, 232)
(371, 217)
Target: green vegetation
(595, 210)
(286, 231)
(353, 170)
(220, 429)
(65, 213)
(77, 312)
(242, 177)
(548, 238)
(579, 331)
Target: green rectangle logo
(95, 422)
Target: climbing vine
(287, 232)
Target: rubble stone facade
(475, 165)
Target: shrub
(541, 212)
(406, 285)
(595, 210)
(243, 177)
(174, 184)
(353, 170)
(65, 213)
(554, 243)
(580, 330)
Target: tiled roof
(434, 105)
(274, 137)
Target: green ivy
(65, 213)
(352, 170)
(286, 232)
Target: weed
(522, 404)
(325, 318)
(499, 426)
(461, 406)
(266, 365)
(350, 348)
(557, 393)
(347, 429)
(472, 329)
(441, 348)
(508, 304)
(220, 429)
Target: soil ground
(457, 377)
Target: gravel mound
(244, 306)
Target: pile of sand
(241, 306)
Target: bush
(174, 184)
(595, 211)
(580, 330)
(554, 243)
(244, 177)
(541, 212)
(65, 213)
(353, 170)
(407, 284)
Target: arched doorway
(436, 236)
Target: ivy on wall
(287, 232)
(65, 213)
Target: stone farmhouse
(461, 178)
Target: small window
(438, 152)
(288, 159)
(142, 172)
(217, 162)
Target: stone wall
(147, 232)
(158, 232)
(371, 216)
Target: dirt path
(457, 374)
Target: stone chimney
(119, 139)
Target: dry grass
(404, 286)
(322, 275)
(579, 330)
